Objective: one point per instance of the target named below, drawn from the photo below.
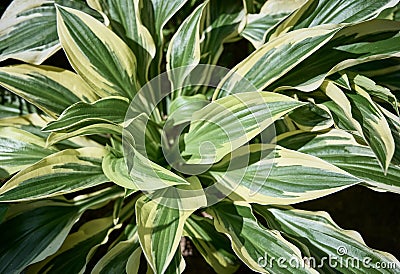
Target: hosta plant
(145, 138)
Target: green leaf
(229, 122)
(107, 110)
(182, 108)
(130, 29)
(352, 45)
(341, 149)
(114, 167)
(340, 107)
(379, 68)
(177, 265)
(267, 175)
(394, 124)
(250, 6)
(132, 266)
(3, 211)
(78, 248)
(124, 257)
(63, 172)
(257, 26)
(312, 117)
(320, 12)
(143, 135)
(148, 175)
(158, 13)
(223, 22)
(376, 130)
(364, 115)
(26, 121)
(180, 113)
(272, 12)
(145, 173)
(50, 89)
(161, 222)
(37, 19)
(184, 48)
(396, 15)
(12, 109)
(266, 65)
(324, 239)
(376, 91)
(20, 149)
(33, 123)
(385, 72)
(160, 229)
(212, 245)
(389, 13)
(33, 235)
(251, 242)
(98, 55)
(101, 128)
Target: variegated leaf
(223, 26)
(78, 248)
(99, 128)
(252, 243)
(324, 239)
(266, 65)
(130, 29)
(34, 235)
(161, 222)
(97, 54)
(311, 54)
(20, 149)
(272, 12)
(33, 123)
(394, 124)
(148, 175)
(320, 12)
(343, 52)
(265, 174)
(38, 18)
(229, 122)
(212, 245)
(124, 257)
(184, 47)
(342, 150)
(376, 130)
(158, 13)
(182, 108)
(51, 89)
(63, 172)
(177, 265)
(110, 110)
(145, 173)
(364, 116)
(376, 91)
(114, 167)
